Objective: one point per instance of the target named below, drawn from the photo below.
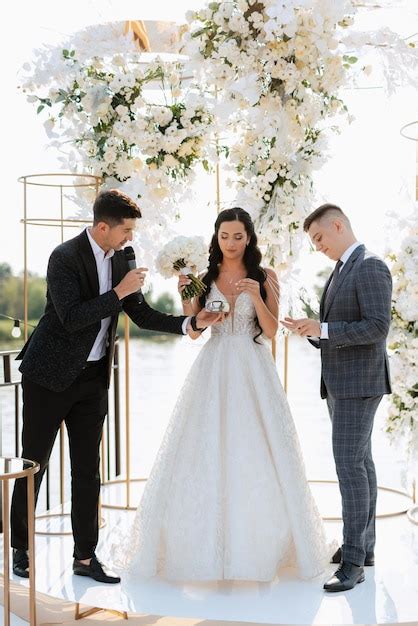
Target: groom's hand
(303, 327)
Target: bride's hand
(183, 282)
(250, 286)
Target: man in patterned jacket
(67, 361)
(354, 322)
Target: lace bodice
(241, 320)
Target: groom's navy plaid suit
(354, 377)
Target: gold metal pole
(217, 168)
(218, 184)
(31, 548)
(286, 361)
(103, 457)
(6, 557)
(62, 431)
(25, 262)
(62, 469)
(127, 414)
(61, 215)
(274, 348)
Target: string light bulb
(16, 331)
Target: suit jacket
(354, 359)
(57, 350)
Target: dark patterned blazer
(57, 350)
(354, 359)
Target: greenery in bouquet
(188, 256)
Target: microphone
(130, 258)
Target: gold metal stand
(60, 181)
(286, 363)
(12, 468)
(413, 511)
(128, 480)
(81, 614)
(380, 515)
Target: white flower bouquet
(184, 255)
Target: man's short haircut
(325, 210)
(113, 206)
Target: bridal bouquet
(184, 255)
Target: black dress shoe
(368, 561)
(95, 570)
(346, 577)
(20, 563)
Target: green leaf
(40, 108)
(350, 59)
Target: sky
(370, 172)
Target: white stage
(389, 594)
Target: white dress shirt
(343, 258)
(104, 274)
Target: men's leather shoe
(20, 563)
(346, 577)
(368, 561)
(95, 570)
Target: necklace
(231, 280)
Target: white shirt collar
(346, 255)
(97, 250)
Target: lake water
(157, 370)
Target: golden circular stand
(48, 515)
(58, 181)
(380, 515)
(10, 469)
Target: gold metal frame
(41, 180)
(381, 515)
(81, 614)
(27, 473)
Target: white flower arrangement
(281, 66)
(98, 100)
(184, 255)
(402, 418)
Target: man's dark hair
(325, 209)
(113, 206)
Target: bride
(227, 497)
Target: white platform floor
(389, 594)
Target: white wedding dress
(227, 497)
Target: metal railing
(111, 452)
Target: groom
(355, 313)
(67, 363)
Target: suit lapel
(346, 269)
(116, 269)
(89, 262)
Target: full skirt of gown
(227, 497)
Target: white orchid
(277, 67)
(402, 419)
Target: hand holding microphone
(133, 280)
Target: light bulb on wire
(16, 332)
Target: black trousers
(83, 407)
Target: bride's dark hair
(252, 255)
